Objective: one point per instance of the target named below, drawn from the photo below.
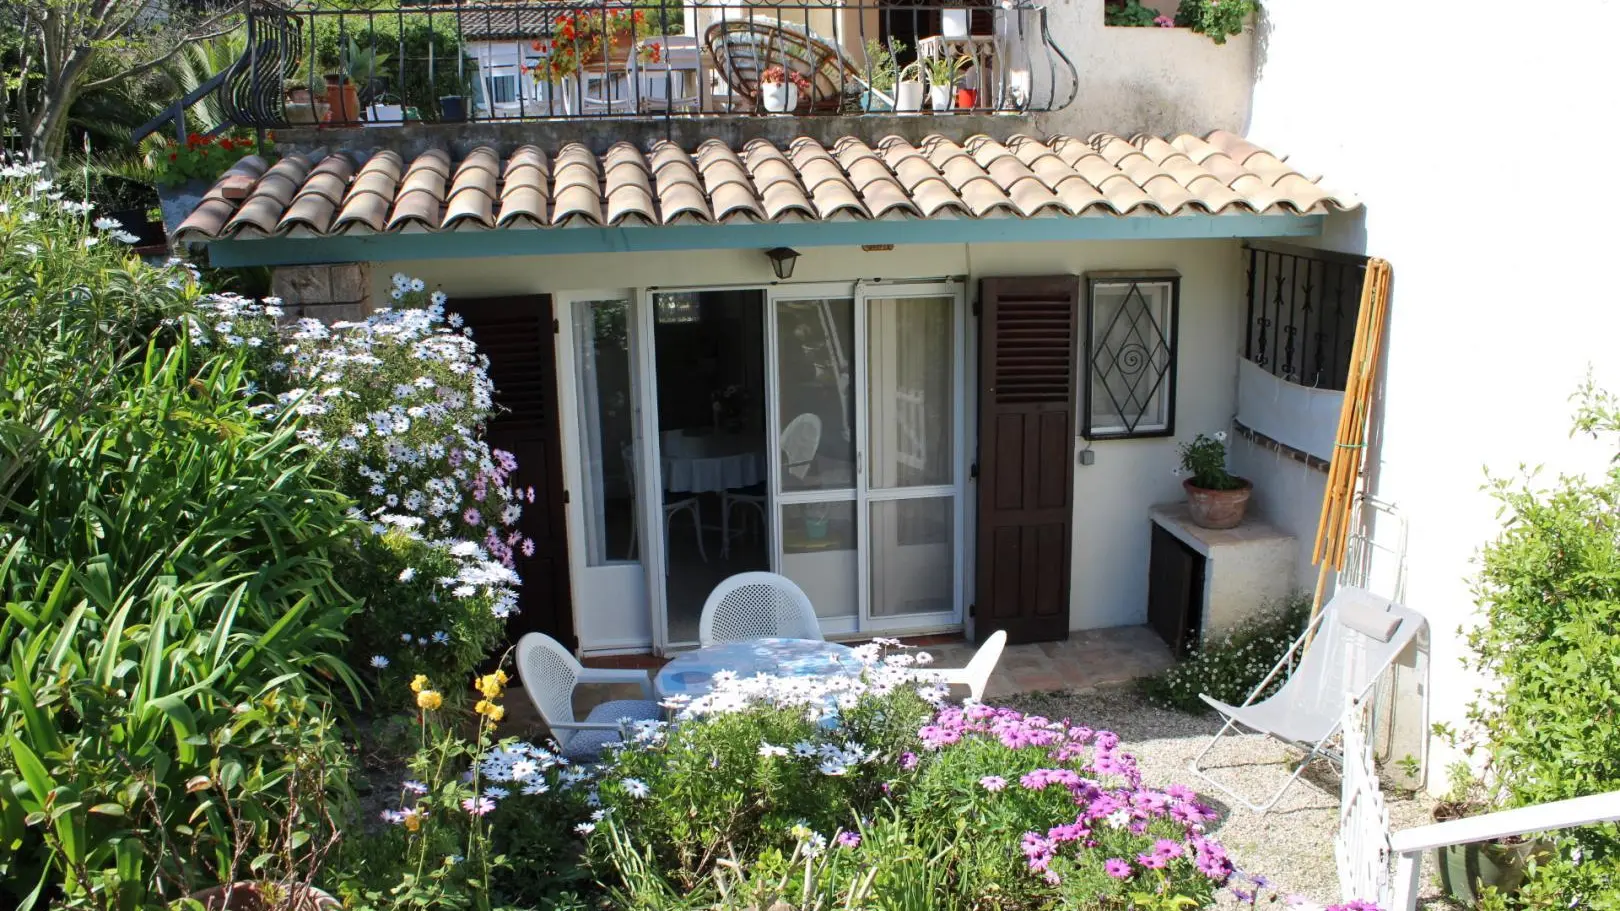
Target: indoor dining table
(710, 462)
(692, 673)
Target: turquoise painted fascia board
(283, 251)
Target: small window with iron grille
(1130, 354)
(1303, 305)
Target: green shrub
(1219, 19)
(1549, 636)
(1129, 13)
(1230, 667)
(422, 65)
(171, 624)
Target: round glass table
(692, 673)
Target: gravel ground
(1293, 844)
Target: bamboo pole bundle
(1350, 446)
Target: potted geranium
(184, 173)
(1216, 498)
(780, 89)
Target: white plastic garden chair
(550, 672)
(1346, 649)
(757, 606)
(976, 676)
(672, 505)
(800, 440)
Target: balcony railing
(311, 64)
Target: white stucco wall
(1477, 143)
(1112, 496)
(1149, 80)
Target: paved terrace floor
(1086, 660)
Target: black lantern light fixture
(782, 260)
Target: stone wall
(326, 292)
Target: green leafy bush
(1231, 666)
(171, 624)
(422, 51)
(395, 406)
(1219, 19)
(1549, 636)
(1129, 13)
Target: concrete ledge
(599, 135)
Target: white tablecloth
(710, 463)
(692, 673)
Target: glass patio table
(692, 673)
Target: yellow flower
(429, 699)
(496, 713)
(419, 684)
(491, 685)
(413, 819)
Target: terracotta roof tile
(1021, 177)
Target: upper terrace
(405, 74)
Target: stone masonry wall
(325, 292)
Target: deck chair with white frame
(1342, 653)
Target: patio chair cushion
(587, 745)
(1368, 615)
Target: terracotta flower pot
(343, 99)
(1217, 508)
(615, 50)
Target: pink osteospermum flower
(992, 783)
(478, 806)
(1117, 868)
(472, 516)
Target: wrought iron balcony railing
(314, 63)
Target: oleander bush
(171, 627)
(1549, 636)
(1231, 666)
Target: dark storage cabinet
(1176, 576)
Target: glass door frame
(958, 490)
(860, 494)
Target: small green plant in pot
(1219, 19)
(1216, 497)
(1468, 873)
(943, 74)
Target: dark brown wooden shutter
(1029, 369)
(516, 334)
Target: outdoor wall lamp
(782, 260)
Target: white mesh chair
(672, 505)
(976, 676)
(550, 672)
(757, 606)
(800, 440)
(1346, 649)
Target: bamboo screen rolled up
(1350, 446)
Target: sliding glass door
(866, 400)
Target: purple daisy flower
(1117, 868)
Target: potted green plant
(1215, 497)
(943, 73)
(882, 72)
(1468, 871)
(908, 89)
(1219, 19)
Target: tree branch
(158, 61)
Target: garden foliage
(394, 406)
(1230, 666)
(1549, 635)
(171, 618)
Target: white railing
(1362, 844)
(1409, 844)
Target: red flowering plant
(201, 158)
(776, 74)
(592, 36)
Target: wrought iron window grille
(1131, 354)
(1302, 312)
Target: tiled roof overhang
(802, 182)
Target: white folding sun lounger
(1358, 635)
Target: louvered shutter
(1029, 368)
(516, 335)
